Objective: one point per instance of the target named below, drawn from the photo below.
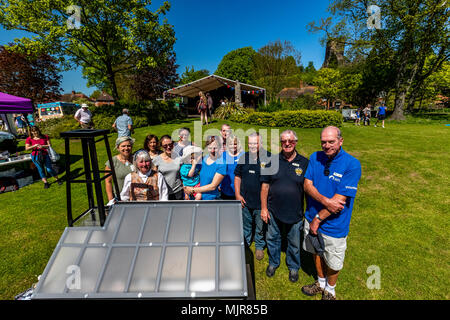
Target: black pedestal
(91, 172)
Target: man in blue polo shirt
(331, 182)
(381, 115)
(247, 187)
(282, 205)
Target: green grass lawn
(400, 221)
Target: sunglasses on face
(288, 141)
(167, 146)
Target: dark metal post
(97, 181)
(87, 174)
(111, 165)
(68, 191)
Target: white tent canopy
(209, 83)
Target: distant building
(104, 99)
(69, 97)
(294, 93)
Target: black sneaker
(46, 185)
(293, 275)
(270, 271)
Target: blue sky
(206, 30)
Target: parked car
(8, 142)
(349, 114)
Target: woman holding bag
(40, 143)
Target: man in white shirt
(84, 117)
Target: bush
(228, 110)
(294, 119)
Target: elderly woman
(169, 165)
(144, 183)
(213, 171)
(230, 157)
(123, 164)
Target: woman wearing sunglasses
(169, 166)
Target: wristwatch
(318, 217)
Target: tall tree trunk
(399, 105)
(112, 81)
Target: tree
(238, 65)
(274, 62)
(31, 76)
(111, 38)
(190, 75)
(410, 31)
(328, 82)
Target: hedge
(295, 119)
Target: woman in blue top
(230, 157)
(212, 173)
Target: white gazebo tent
(213, 82)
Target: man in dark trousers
(282, 201)
(247, 187)
(331, 183)
(210, 105)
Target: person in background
(183, 142)
(210, 105)
(331, 182)
(39, 144)
(367, 115)
(152, 145)
(212, 173)
(381, 115)
(169, 165)
(144, 183)
(230, 158)
(21, 124)
(123, 124)
(247, 190)
(190, 170)
(282, 205)
(84, 117)
(123, 165)
(202, 106)
(358, 117)
(225, 132)
(30, 119)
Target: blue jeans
(293, 243)
(47, 164)
(247, 220)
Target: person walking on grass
(282, 203)
(381, 115)
(202, 107)
(331, 182)
(123, 124)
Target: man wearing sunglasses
(331, 182)
(282, 205)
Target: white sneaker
(375, 125)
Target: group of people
(22, 122)
(272, 190)
(365, 115)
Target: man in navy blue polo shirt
(247, 187)
(331, 182)
(282, 205)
